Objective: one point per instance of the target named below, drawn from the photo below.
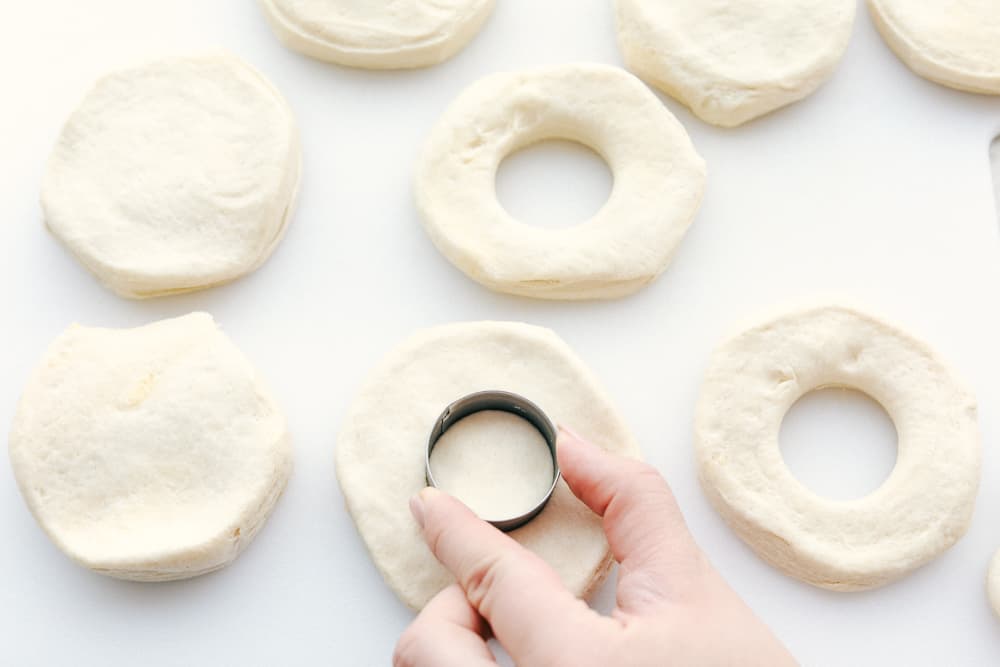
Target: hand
(673, 608)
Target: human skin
(673, 607)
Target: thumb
(529, 610)
(660, 562)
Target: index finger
(515, 590)
(659, 559)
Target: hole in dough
(839, 443)
(495, 462)
(554, 183)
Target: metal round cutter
(507, 402)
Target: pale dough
(381, 447)
(149, 454)
(658, 182)
(953, 42)
(731, 61)
(993, 583)
(495, 462)
(922, 508)
(378, 34)
(174, 175)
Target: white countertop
(877, 187)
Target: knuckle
(644, 490)
(481, 578)
(647, 481)
(647, 474)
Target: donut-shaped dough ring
(658, 182)
(919, 511)
(402, 34)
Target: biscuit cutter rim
(516, 405)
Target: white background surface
(877, 187)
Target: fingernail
(417, 510)
(575, 442)
(418, 504)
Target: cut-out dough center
(495, 462)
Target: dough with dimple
(952, 42)
(731, 61)
(659, 180)
(381, 446)
(378, 34)
(920, 511)
(174, 175)
(149, 454)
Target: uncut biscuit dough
(993, 583)
(149, 454)
(920, 511)
(659, 181)
(952, 42)
(378, 34)
(731, 61)
(381, 447)
(174, 175)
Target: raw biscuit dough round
(174, 175)
(381, 447)
(952, 42)
(993, 583)
(731, 61)
(658, 182)
(378, 34)
(919, 511)
(149, 454)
